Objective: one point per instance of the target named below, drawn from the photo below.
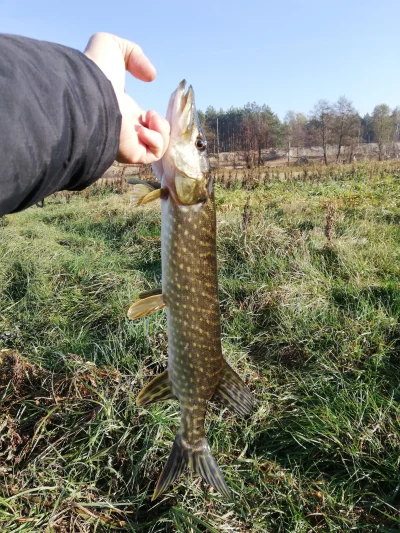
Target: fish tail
(176, 464)
(199, 458)
(204, 464)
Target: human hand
(144, 135)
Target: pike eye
(200, 144)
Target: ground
(310, 302)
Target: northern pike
(196, 370)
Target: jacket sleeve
(59, 121)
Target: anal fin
(233, 392)
(146, 306)
(157, 390)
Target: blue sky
(284, 54)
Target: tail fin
(176, 464)
(199, 458)
(205, 465)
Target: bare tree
(396, 124)
(297, 134)
(321, 123)
(345, 125)
(396, 131)
(248, 141)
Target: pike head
(185, 169)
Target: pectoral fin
(233, 392)
(146, 306)
(143, 194)
(157, 390)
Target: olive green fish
(196, 370)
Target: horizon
(235, 56)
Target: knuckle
(101, 35)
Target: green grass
(312, 326)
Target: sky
(287, 55)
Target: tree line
(253, 129)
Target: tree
(367, 129)
(209, 121)
(321, 123)
(383, 127)
(396, 124)
(267, 130)
(345, 126)
(296, 130)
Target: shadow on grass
(18, 275)
(151, 269)
(351, 298)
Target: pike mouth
(181, 93)
(187, 100)
(181, 113)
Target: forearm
(59, 121)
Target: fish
(197, 372)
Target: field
(310, 299)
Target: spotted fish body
(189, 274)
(196, 370)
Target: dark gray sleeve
(59, 121)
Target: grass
(310, 301)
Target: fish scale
(196, 370)
(190, 287)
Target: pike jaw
(185, 169)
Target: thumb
(115, 55)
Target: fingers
(144, 135)
(156, 122)
(155, 126)
(143, 146)
(154, 143)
